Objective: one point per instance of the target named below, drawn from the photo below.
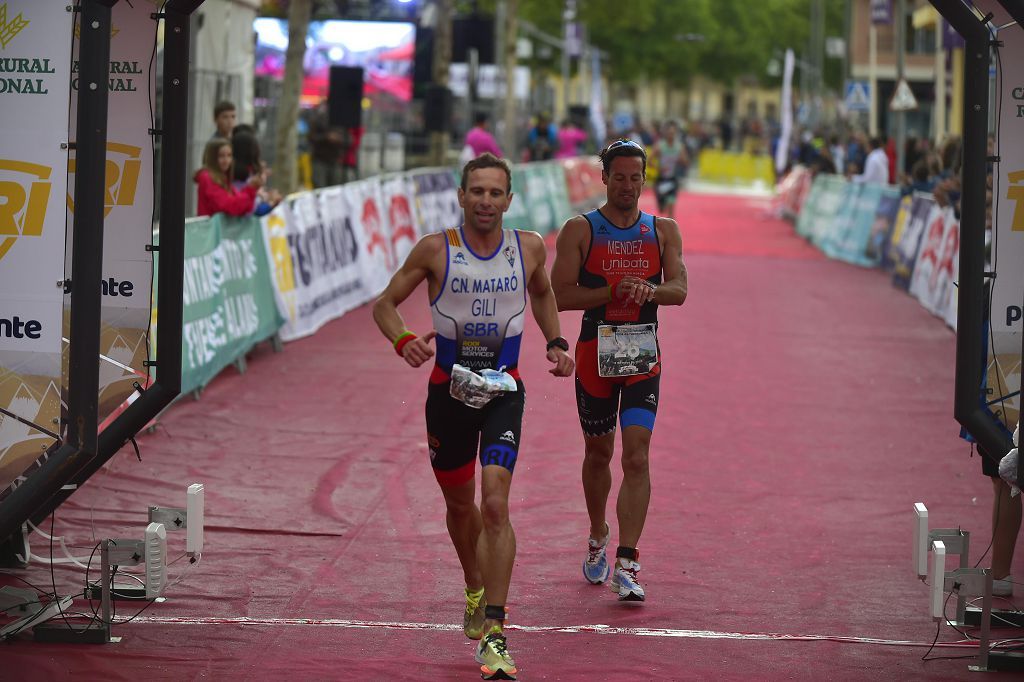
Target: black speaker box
(473, 32)
(345, 97)
(437, 109)
(580, 115)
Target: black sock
(495, 612)
(626, 553)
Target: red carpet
(806, 405)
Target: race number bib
(625, 350)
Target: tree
(287, 172)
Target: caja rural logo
(9, 29)
(1015, 193)
(121, 176)
(25, 191)
(24, 194)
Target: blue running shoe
(596, 567)
(624, 581)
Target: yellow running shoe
(473, 618)
(492, 655)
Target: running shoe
(492, 655)
(596, 567)
(473, 618)
(624, 581)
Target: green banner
(542, 197)
(228, 296)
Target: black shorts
(989, 465)
(665, 190)
(456, 433)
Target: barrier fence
(321, 253)
(912, 238)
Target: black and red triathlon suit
(614, 253)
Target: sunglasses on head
(619, 144)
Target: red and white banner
(933, 281)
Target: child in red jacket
(215, 194)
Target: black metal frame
(85, 451)
(970, 343)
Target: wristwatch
(558, 342)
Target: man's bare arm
(542, 302)
(674, 286)
(569, 246)
(385, 310)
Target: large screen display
(384, 49)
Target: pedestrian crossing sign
(857, 96)
(903, 99)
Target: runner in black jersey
(479, 279)
(619, 265)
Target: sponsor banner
(311, 242)
(1008, 195)
(839, 223)
(906, 239)
(363, 204)
(586, 189)
(397, 200)
(558, 194)
(792, 191)
(544, 192)
(228, 296)
(889, 207)
(1002, 387)
(851, 245)
(437, 199)
(35, 61)
(933, 281)
(518, 213)
(36, 65)
(35, 398)
(822, 205)
(128, 204)
(899, 227)
(128, 198)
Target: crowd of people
(928, 166)
(233, 177)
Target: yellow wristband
(611, 292)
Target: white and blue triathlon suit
(478, 316)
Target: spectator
(216, 193)
(247, 163)
(570, 137)
(224, 117)
(326, 144)
(725, 132)
(542, 139)
(856, 152)
(352, 138)
(823, 162)
(890, 157)
(479, 139)
(838, 152)
(876, 167)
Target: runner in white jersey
(479, 277)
